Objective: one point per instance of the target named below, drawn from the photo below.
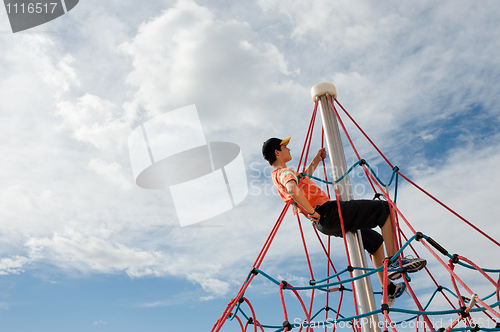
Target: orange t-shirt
(311, 191)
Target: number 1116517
(31, 8)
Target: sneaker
(409, 263)
(400, 289)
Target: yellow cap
(286, 141)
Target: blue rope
(377, 311)
(321, 287)
(375, 175)
(238, 305)
(396, 189)
(330, 182)
(369, 271)
(394, 174)
(362, 161)
(483, 299)
(472, 267)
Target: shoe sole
(410, 268)
(390, 301)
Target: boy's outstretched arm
(320, 155)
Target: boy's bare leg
(388, 235)
(377, 260)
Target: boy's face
(283, 155)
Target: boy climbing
(356, 214)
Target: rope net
(466, 311)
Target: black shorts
(356, 214)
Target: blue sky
(82, 248)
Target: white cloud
(152, 304)
(113, 173)
(13, 265)
(400, 68)
(391, 69)
(466, 187)
(96, 121)
(90, 253)
(352, 25)
(21, 198)
(187, 56)
(57, 73)
(210, 285)
(25, 210)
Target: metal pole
(363, 287)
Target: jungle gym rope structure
(462, 303)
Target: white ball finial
(321, 89)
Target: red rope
(308, 263)
(327, 282)
(398, 234)
(497, 286)
(389, 322)
(353, 327)
(258, 260)
(307, 143)
(261, 328)
(305, 247)
(273, 235)
(324, 249)
(417, 302)
(323, 160)
(254, 317)
(453, 212)
(218, 325)
(484, 312)
(285, 315)
(338, 308)
(350, 141)
(337, 196)
(419, 305)
(308, 317)
(394, 229)
(385, 293)
(266, 246)
(414, 184)
(427, 270)
(310, 306)
(241, 324)
(400, 231)
(310, 141)
(424, 243)
(328, 252)
(461, 302)
(441, 261)
(459, 318)
(453, 275)
(311, 125)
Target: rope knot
(286, 324)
